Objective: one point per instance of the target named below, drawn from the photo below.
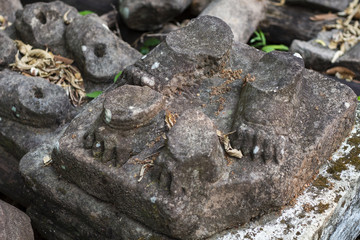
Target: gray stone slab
(242, 16)
(150, 15)
(14, 224)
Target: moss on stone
(321, 207)
(321, 182)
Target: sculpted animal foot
(260, 145)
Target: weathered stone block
(32, 101)
(32, 110)
(99, 52)
(242, 16)
(150, 15)
(286, 119)
(42, 25)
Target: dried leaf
(336, 56)
(322, 17)
(65, 60)
(47, 160)
(320, 42)
(333, 45)
(341, 72)
(334, 70)
(143, 170)
(23, 48)
(224, 139)
(170, 119)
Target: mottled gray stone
(183, 192)
(14, 224)
(99, 52)
(31, 111)
(42, 25)
(241, 15)
(9, 8)
(334, 5)
(319, 57)
(32, 101)
(7, 50)
(150, 15)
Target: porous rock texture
(42, 25)
(150, 148)
(14, 224)
(98, 51)
(242, 16)
(151, 14)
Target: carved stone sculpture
(151, 146)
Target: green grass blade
(117, 76)
(94, 94)
(151, 42)
(86, 12)
(279, 47)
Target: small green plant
(117, 76)
(358, 98)
(98, 93)
(86, 12)
(148, 44)
(94, 94)
(259, 42)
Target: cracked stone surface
(149, 153)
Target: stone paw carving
(267, 108)
(126, 124)
(260, 145)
